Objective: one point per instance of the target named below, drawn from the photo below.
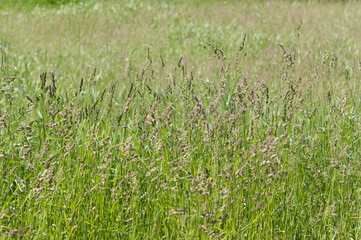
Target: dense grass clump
(246, 135)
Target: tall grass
(243, 136)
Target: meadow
(180, 119)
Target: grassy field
(180, 120)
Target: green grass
(180, 120)
(34, 3)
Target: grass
(34, 3)
(180, 120)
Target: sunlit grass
(180, 120)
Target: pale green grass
(180, 120)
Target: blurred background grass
(33, 3)
(112, 36)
